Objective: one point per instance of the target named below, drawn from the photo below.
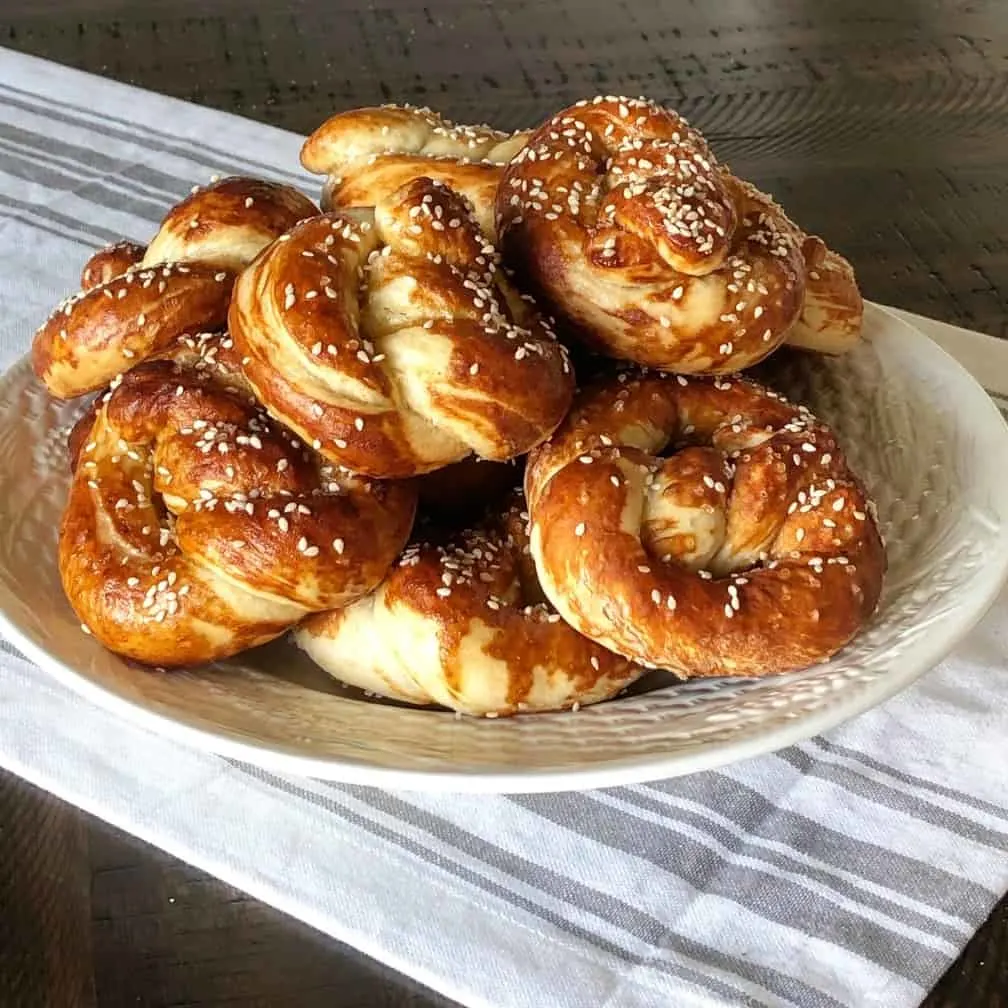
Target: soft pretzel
(106, 330)
(196, 527)
(181, 283)
(369, 153)
(463, 624)
(833, 311)
(228, 222)
(375, 181)
(619, 216)
(110, 262)
(751, 549)
(390, 341)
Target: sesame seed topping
(579, 529)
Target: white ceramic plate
(925, 437)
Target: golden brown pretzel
(369, 153)
(391, 342)
(106, 330)
(228, 222)
(182, 284)
(618, 215)
(109, 262)
(464, 625)
(196, 527)
(751, 549)
(833, 311)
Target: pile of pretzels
(473, 429)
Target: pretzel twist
(751, 549)
(136, 302)
(833, 312)
(111, 261)
(369, 153)
(618, 215)
(465, 625)
(390, 341)
(196, 527)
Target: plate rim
(987, 585)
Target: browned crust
(227, 222)
(110, 262)
(617, 214)
(833, 313)
(196, 528)
(391, 341)
(803, 561)
(354, 136)
(108, 329)
(378, 179)
(479, 578)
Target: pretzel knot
(464, 624)
(369, 153)
(750, 549)
(136, 302)
(390, 340)
(619, 216)
(196, 527)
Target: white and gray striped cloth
(849, 870)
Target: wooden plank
(165, 933)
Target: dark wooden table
(883, 124)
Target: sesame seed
(338, 545)
(579, 529)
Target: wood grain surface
(883, 124)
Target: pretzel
(833, 311)
(369, 153)
(228, 223)
(617, 214)
(182, 284)
(750, 550)
(196, 527)
(389, 340)
(110, 262)
(464, 625)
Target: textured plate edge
(929, 653)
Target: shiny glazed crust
(135, 302)
(390, 340)
(833, 312)
(228, 222)
(369, 153)
(109, 262)
(750, 550)
(111, 327)
(464, 625)
(196, 527)
(619, 216)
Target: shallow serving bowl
(925, 437)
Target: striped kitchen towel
(848, 870)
